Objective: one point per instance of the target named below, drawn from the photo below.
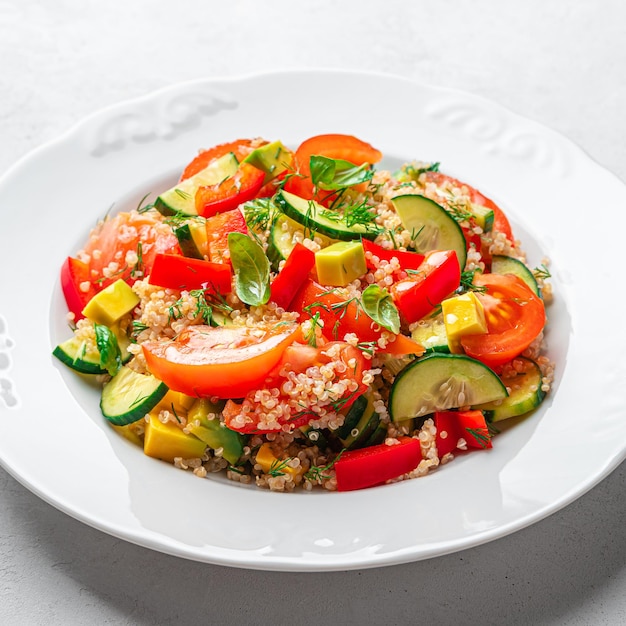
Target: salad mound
(301, 318)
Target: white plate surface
(562, 205)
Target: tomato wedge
(500, 220)
(375, 465)
(124, 246)
(515, 317)
(342, 316)
(230, 193)
(217, 229)
(223, 361)
(334, 146)
(240, 148)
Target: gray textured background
(560, 63)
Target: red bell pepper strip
(342, 316)
(455, 425)
(367, 467)
(172, 271)
(407, 260)
(435, 279)
(299, 263)
(218, 227)
(242, 186)
(77, 286)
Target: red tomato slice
(435, 279)
(77, 286)
(230, 193)
(500, 221)
(241, 148)
(333, 146)
(341, 317)
(367, 467)
(173, 271)
(226, 361)
(126, 245)
(515, 316)
(217, 229)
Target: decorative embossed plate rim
(53, 439)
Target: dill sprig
(318, 473)
(481, 435)
(277, 467)
(467, 282)
(542, 272)
(260, 213)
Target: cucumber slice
(318, 219)
(501, 264)
(432, 227)
(128, 396)
(378, 436)
(182, 197)
(484, 216)
(442, 381)
(187, 243)
(280, 243)
(431, 333)
(525, 395)
(364, 429)
(75, 355)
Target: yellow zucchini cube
(176, 402)
(463, 315)
(340, 263)
(168, 441)
(110, 304)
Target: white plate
(54, 441)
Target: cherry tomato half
(515, 316)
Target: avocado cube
(340, 263)
(463, 315)
(484, 217)
(110, 304)
(272, 158)
(212, 432)
(168, 441)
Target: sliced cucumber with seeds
(128, 396)
(430, 225)
(182, 197)
(365, 427)
(316, 218)
(438, 382)
(74, 353)
(501, 264)
(525, 395)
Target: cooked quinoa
(305, 457)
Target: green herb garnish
(110, 355)
(378, 304)
(252, 269)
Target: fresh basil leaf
(110, 355)
(333, 174)
(378, 304)
(251, 267)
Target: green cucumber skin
(352, 418)
(456, 364)
(501, 264)
(436, 215)
(187, 244)
(84, 366)
(121, 413)
(520, 401)
(276, 252)
(287, 203)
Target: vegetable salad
(302, 318)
